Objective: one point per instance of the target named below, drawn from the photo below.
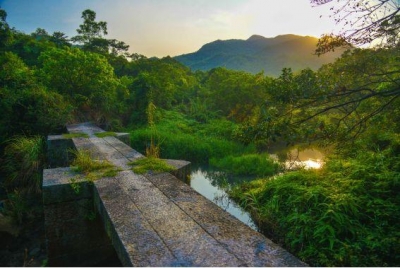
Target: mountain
(259, 53)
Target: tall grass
(24, 160)
(23, 164)
(191, 147)
(179, 137)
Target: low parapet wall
(147, 220)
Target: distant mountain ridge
(258, 54)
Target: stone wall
(74, 231)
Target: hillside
(259, 53)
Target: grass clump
(143, 165)
(23, 161)
(75, 135)
(92, 169)
(105, 134)
(261, 165)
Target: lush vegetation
(345, 214)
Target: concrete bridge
(140, 220)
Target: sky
(173, 27)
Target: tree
(91, 36)
(5, 32)
(86, 79)
(362, 86)
(26, 106)
(90, 29)
(234, 93)
(363, 22)
(358, 87)
(60, 39)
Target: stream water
(213, 183)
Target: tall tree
(90, 29)
(91, 35)
(5, 32)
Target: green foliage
(342, 215)
(86, 79)
(182, 138)
(76, 187)
(261, 165)
(234, 93)
(25, 105)
(152, 164)
(16, 206)
(24, 160)
(91, 36)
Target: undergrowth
(345, 214)
(23, 163)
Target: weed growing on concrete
(92, 169)
(75, 185)
(105, 134)
(143, 165)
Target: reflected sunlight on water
(297, 158)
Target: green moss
(105, 134)
(156, 165)
(75, 135)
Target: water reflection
(212, 184)
(295, 158)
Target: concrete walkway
(158, 220)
